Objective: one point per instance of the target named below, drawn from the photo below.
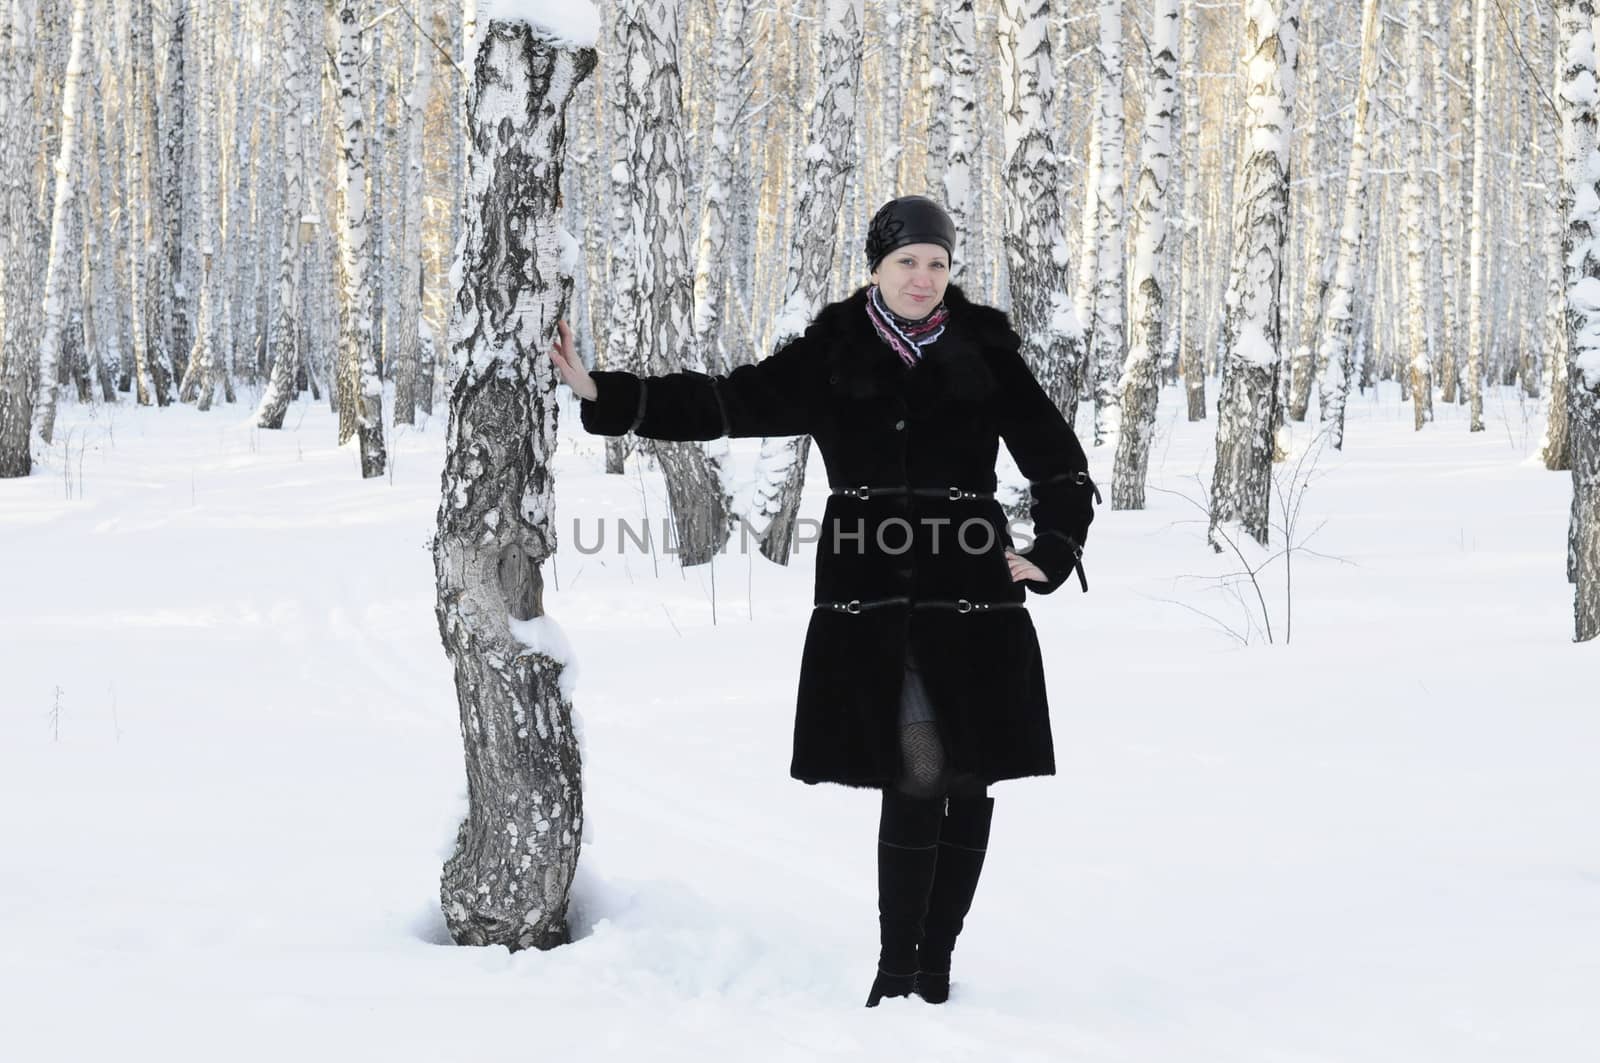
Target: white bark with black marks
(1252, 330)
(1576, 99)
(1335, 350)
(20, 272)
(1140, 384)
(509, 879)
(1035, 231)
(830, 158)
(285, 332)
(59, 270)
(360, 391)
(1108, 339)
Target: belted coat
(910, 561)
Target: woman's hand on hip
(565, 356)
(1022, 568)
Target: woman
(921, 673)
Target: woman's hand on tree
(1022, 568)
(565, 356)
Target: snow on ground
(230, 771)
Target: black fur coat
(923, 567)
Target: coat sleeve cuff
(1055, 554)
(618, 406)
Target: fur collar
(952, 368)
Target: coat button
(899, 425)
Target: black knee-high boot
(963, 840)
(908, 847)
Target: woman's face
(913, 278)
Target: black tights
(923, 768)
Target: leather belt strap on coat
(960, 605)
(951, 493)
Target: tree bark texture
(1252, 354)
(1035, 231)
(1335, 352)
(1140, 383)
(1108, 342)
(508, 881)
(360, 390)
(830, 158)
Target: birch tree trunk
(19, 276)
(1035, 232)
(509, 879)
(961, 45)
(623, 340)
(1109, 346)
(280, 389)
(1252, 352)
(1581, 178)
(151, 367)
(1475, 251)
(781, 468)
(1191, 358)
(360, 391)
(408, 301)
(710, 274)
(59, 271)
(1338, 312)
(657, 199)
(1555, 449)
(1314, 260)
(1140, 384)
(1416, 253)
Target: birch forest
(1269, 209)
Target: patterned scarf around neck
(906, 337)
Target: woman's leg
(908, 842)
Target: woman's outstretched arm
(772, 397)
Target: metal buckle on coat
(961, 605)
(1080, 478)
(950, 493)
(855, 605)
(967, 605)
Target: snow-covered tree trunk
(19, 273)
(1555, 449)
(711, 278)
(623, 341)
(150, 369)
(830, 157)
(960, 58)
(1108, 339)
(1088, 270)
(1448, 216)
(936, 90)
(1191, 357)
(60, 270)
(509, 879)
(659, 240)
(1140, 385)
(408, 300)
(203, 369)
(1338, 312)
(1312, 227)
(172, 117)
(1476, 259)
(280, 389)
(1416, 251)
(1035, 232)
(360, 391)
(1576, 98)
(1252, 354)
